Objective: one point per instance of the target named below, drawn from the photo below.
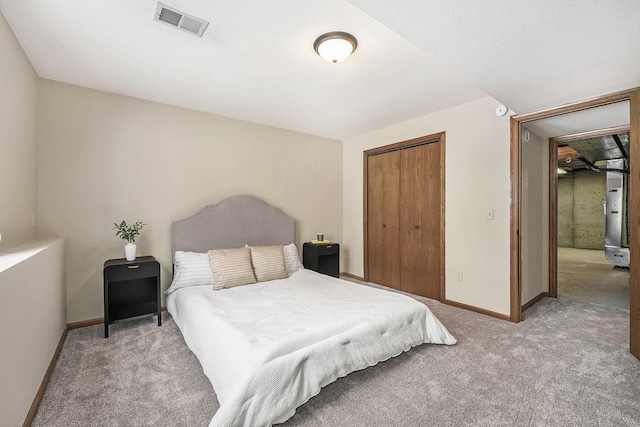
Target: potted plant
(129, 232)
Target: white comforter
(268, 348)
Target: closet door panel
(420, 220)
(383, 185)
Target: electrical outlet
(489, 216)
(459, 275)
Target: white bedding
(269, 347)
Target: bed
(268, 347)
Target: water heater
(615, 212)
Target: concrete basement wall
(589, 222)
(477, 180)
(105, 158)
(581, 220)
(565, 211)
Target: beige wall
(105, 157)
(32, 312)
(18, 141)
(32, 307)
(535, 217)
(477, 180)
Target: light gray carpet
(566, 364)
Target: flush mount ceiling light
(335, 46)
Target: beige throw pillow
(231, 267)
(268, 263)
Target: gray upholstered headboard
(233, 223)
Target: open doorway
(574, 169)
(631, 96)
(592, 211)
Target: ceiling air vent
(172, 16)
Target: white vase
(130, 251)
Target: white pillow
(191, 269)
(291, 258)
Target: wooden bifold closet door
(404, 222)
(384, 219)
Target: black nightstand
(131, 288)
(324, 258)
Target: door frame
(633, 96)
(428, 139)
(553, 195)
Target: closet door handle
(417, 227)
(384, 225)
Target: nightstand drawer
(132, 271)
(331, 249)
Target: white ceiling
(256, 61)
(531, 54)
(604, 117)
